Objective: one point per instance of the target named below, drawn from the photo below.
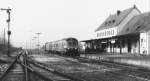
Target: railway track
(128, 70)
(123, 72)
(96, 71)
(32, 71)
(9, 74)
(59, 75)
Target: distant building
(112, 26)
(139, 28)
(126, 31)
(116, 22)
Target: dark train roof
(63, 39)
(69, 38)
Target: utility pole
(38, 42)
(34, 44)
(4, 38)
(8, 31)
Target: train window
(69, 43)
(74, 43)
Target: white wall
(143, 43)
(148, 41)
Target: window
(112, 32)
(127, 29)
(109, 22)
(106, 23)
(108, 32)
(113, 21)
(138, 27)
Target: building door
(129, 46)
(104, 45)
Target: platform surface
(131, 59)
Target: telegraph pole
(4, 39)
(34, 38)
(38, 42)
(34, 44)
(8, 31)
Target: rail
(35, 72)
(53, 70)
(10, 67)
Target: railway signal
(8, 31)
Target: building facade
(126, 31)
(112, 26)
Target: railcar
(66, 46)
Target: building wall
(129, 46)
(148, 36)
(135, 47)
(127, 19)
(143, 43)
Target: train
(67, 46)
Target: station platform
(130, 59)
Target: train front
(72, 47)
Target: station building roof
(115, 19)
(137, 24)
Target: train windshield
(72, 42)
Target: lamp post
(8, 31)
(38, 42)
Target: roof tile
(114, 19)
(137, 24)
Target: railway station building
(126, 31)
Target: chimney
(134, 6)
(118, 12)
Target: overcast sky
(57, 19)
